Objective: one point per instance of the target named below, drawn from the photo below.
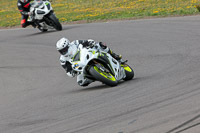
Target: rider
(24, 8)
(68, 49)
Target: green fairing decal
(105, 75)
(46, 3)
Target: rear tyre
(106, 78)
(55, 22)
(128, 71)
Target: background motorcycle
(100, 66)
(43, 16)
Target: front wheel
(54, 22)
(104, 77)
(128, 71)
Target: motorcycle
(43, 16)
(97, 65)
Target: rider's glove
(102, 45)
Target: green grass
(92, 10)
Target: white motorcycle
(43, 16)
(96, 65)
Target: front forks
(101, 67)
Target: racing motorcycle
(100, 66)
(43, 16)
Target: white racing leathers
(65, 62)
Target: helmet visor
(64, 50)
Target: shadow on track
(100, 87)
(71, 27)
(51, 31)
(39, 33)
(92, 88)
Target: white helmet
(62, 46)
(91, 41)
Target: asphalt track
(36, 96)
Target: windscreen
(37, 3)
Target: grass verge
(98, 10)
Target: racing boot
(33, 24)
(114, 55)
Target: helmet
(24, 1)
(62, 46)
(91, 41)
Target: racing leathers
(64, 61)
(24, 9)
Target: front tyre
(104, 77)
(55, 22)
(128, 71)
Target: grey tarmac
(36, 96)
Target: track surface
(36, 96)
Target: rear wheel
(104, 77)
(54, 22)
(128, 71)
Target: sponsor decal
(27, 5)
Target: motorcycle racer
(68, 49)
(24, 7)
